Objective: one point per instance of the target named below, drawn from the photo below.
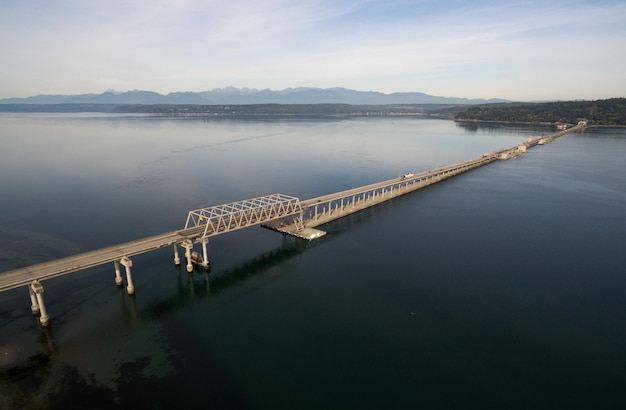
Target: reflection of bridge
(279, 212)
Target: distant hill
(242, 96)
(611, 111)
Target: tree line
(599, 112)
(322, 109)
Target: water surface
(500, 288)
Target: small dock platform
(308, 233)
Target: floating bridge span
(283, 213)
(327, 208)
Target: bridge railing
(322, 209)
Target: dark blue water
(500, 288)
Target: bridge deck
(58, 267)
(269, 211)
(324, 209)
(321, 210)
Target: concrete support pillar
(34, 306)
(37, 288)
(176, 257)
(130, 288)
(188, 246)
(118, 275)
(205, 259)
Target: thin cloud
(458, 48)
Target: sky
(520, 50)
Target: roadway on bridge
(63, 266)
(47, 270)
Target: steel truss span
(236, 215)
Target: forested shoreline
(240, 110)
(611, 112)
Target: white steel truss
(236, 215)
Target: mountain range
(242, 96)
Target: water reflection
(257, 331)
(495, 127)
(46, 340)
(128, 306)
(192, 289)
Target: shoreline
(266, 111)
(531, 123)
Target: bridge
(282, 213)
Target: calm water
(500, 288)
